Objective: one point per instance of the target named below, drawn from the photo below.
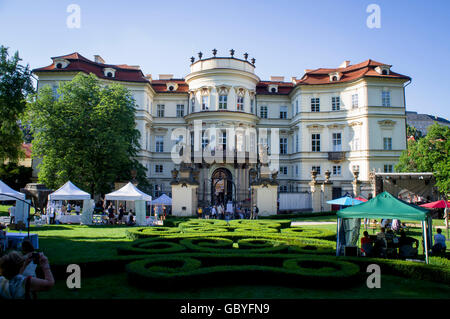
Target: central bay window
(337, 142)
(159, 144)
(388, 168)
(315, 104)
(283, 145)
(283, 170)
(240, 103)
(335, 103)
(315, 142)
(204, 103)
(223, 141)
(283, 112)
(222, 102)
(337, 170)
(159, 168)
(316, 168)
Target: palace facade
(331, 120)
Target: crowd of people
(227, 212)
(24, 273)
(113, 216)
(386, 243)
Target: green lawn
(66, 244)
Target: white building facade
(344, 119)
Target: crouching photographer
(16, 279)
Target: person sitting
(366, 244)
(130, 219)
(14, 284)
(3, 239)
(439, 243)
(406, 250)
(380, 243)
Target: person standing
(255, 212)
(199, 212)
(214, 212)
(121, 213)
(12, 213)
(77, 209)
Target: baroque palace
(333, 121)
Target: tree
(429, 154)
(15, 176)
(15, 86)
(414, 132)
(86, 135)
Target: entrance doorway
(221, 186)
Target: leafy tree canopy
(15, 85)
(414, 132)
(87, 135)
(429, 154)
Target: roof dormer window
(171, 86)
(335, 76)
(272, 88)
(383, 69)
(109, 72)
(60, 63)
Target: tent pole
(337, 237)
(425, 238)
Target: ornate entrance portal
(221, 186)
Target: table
(16, 238)
(69, 219)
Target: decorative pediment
(355, 123)
(223, 89)
(336, 126)
(386, 123)
(240, 91)
(160, 129)
(315, 126)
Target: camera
(36, 257)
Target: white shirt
(12, 211)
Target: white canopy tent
(70, 192)
(131, 193)
(22, 209)
(162, 200)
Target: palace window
(388, 168)
(315, 104)
(337, 142)
(354, 100)
(159, 144)
(297, 144)
(193, 105)
(240, 103)
(252, 107)
(180, 110)
(159, 168)
(160, 110)
(387, 143)
(386, 98)
(335, 103)
(283, 189)
(223, 141)
(315, 142)
(296, 106)
(296, 170)
(222, 102)
(283, 112)
(263, 112)
(283, 145)
(283, 170)
(204, 103)
(337, 169)
(316, 168)
(205, 140)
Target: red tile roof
(350, 73)
(160, 86)
(79, 63)
(284, 88)
(27, 149)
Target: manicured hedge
(298, 215)
(310, 233)
(251, 243)
(327, 272)
(206, 243)
(202, 223)
(150, 246)
(204, 229)
(408, 269)
(150, 232)
(256, 229)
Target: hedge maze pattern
(212, 252)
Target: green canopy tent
(383, 205)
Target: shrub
(310, 233)
(256, 229)
(251, 243)
(202, 223)
(150, 246)
(255, 223)
(204, 229)
(150, 232)
(206, 244)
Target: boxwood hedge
(310, 233)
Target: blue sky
(285, 37)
